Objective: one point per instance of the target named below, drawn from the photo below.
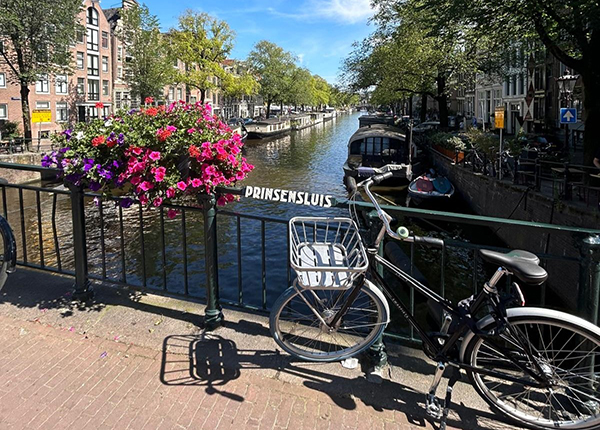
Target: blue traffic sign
(568, 115)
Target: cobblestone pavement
(137, 361)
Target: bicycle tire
(299, 332)
(567, 350)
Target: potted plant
(155, 155)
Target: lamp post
(566, 84)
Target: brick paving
(117, 364)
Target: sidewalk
(138, 361)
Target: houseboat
(371, 148)
(268, 128)
(365, 120)
(301, 121)
(316, 117)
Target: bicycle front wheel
(299, 322)
(556, 386)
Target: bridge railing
(240, 257)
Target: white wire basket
(326, 252)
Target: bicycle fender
(530, 312)
(371, 286)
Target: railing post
(538, 175)
(213, 316)
(83, 289)
(589, 279)
(566, 188)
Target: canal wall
(15, 176)
(490, 197)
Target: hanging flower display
(154, 155)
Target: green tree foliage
(273, 65)
(37, 36)
(570, 30)
(320, 91)
(239, 81)
(297, 87)
(202, 43)
(148, 67)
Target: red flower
(100, 105)
(98, 140)
(163, 134)
(194, 151)
(151, 111)
(148, 100)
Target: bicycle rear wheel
(298, 316)
(566, 351)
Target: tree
(297, 87)
(320, 91)
(569, 30)
(37, 36)
(148, 67)
(272, 64)
(202, 43)
(240, 82)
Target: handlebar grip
(429, 241)
(382, 177)
(402, 232)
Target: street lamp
(566, 84)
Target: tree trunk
(591, 137)
(25, 111)
(410, 107)
(442, 100)
(202, 95)
(423, 107)
(268, 108)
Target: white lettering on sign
(286, 196)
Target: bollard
(213, 316)
(82, 290)
(589, 279)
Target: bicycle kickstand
(454, 378)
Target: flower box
(450, 153)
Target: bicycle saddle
(524, 265)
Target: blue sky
(319, 32)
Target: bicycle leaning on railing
(537, 366)
(8, 257)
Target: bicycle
(539, 367)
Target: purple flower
(63, 150)
(116, 164)
(46, 161)
(95, 186)
(121, 139)
(68, 133)
(126, 202)
(131, 112)
(74, 178)
(88, 164)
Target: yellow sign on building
(499, 117)
(41, 115)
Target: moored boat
(376, 149)
(299, 122)
(430, 187)
(268, 128)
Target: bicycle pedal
(433, 408)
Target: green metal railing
(61, 230)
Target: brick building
(73, 97)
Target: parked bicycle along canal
(164, 258)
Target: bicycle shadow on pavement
(211, 361)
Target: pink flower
(196, 182)
(157, 201)
(181, 185)
(232, 160)
(207, 154)
(143, 199)
(159, 177)
(171, 128)
(209, 170)
(170, 193)
(171, 213)
(137, 151)
(240, 176)
(221, 201)
(154, 155)
(135, 180)
(191, 130)
(146, 186)
(234, 149)
(229, 198)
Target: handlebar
(401, 233)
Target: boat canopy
(380, 143)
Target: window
(80, 60)
(105, 64)
(62, 112)
(80, 35)
(179, 95)
(2, 80)
(93, 112)
(171, 93)
(92, 16)
(93, 89)
(104, 88)
(118, 99)
(92, 39)
(61, 84)
(92, 65)
(119, 54)
(41, 86)
(81, 86)
(3, 111)
(193, 100)
(119, 72)
(42, 105)
(105, 39)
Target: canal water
(169, 255)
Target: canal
(145, 249)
